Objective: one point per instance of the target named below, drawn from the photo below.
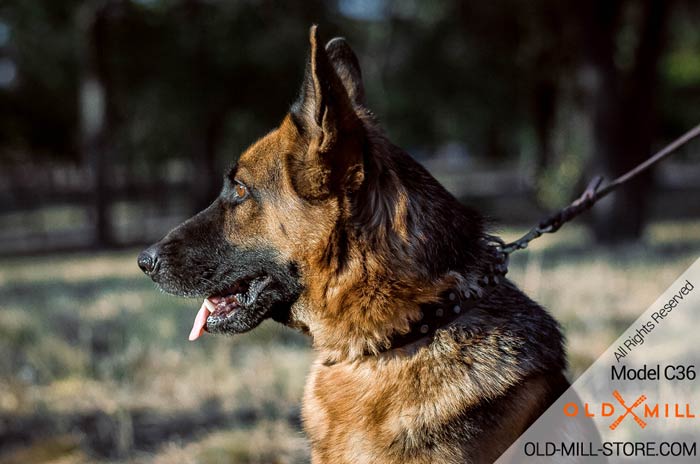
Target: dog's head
(320, 215)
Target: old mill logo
(638, 411)
(628, 410)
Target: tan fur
(357, 412)
(355, 407)
(403, 405)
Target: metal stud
(457, 309)
(452, 296)
(421, 315)
(439, 312)
(424, 328)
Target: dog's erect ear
(328, 121)
(347, 66)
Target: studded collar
(452, 304)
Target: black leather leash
(591, 195)
(454, 304)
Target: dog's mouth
(236, 309)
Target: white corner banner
(639, 402)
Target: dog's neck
(374, 317)
(453, 304)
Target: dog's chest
(363, 415)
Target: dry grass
(266, 443)
(86, 338)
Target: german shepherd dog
(327, 227)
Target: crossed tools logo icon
(629, 410)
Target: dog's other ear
(327, 120)
(347, 66)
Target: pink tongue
(200, 321)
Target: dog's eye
(240, 190)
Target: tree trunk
(97, 119)
(544, 119)
(208, 118)
(623, 107)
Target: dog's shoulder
(481, 380)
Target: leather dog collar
(452, 305)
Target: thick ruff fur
(358, 236)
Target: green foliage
(191, 83)
(39, 114)
(435, 71)
(557, 183)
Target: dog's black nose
(148, 261)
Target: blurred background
(118, 117)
